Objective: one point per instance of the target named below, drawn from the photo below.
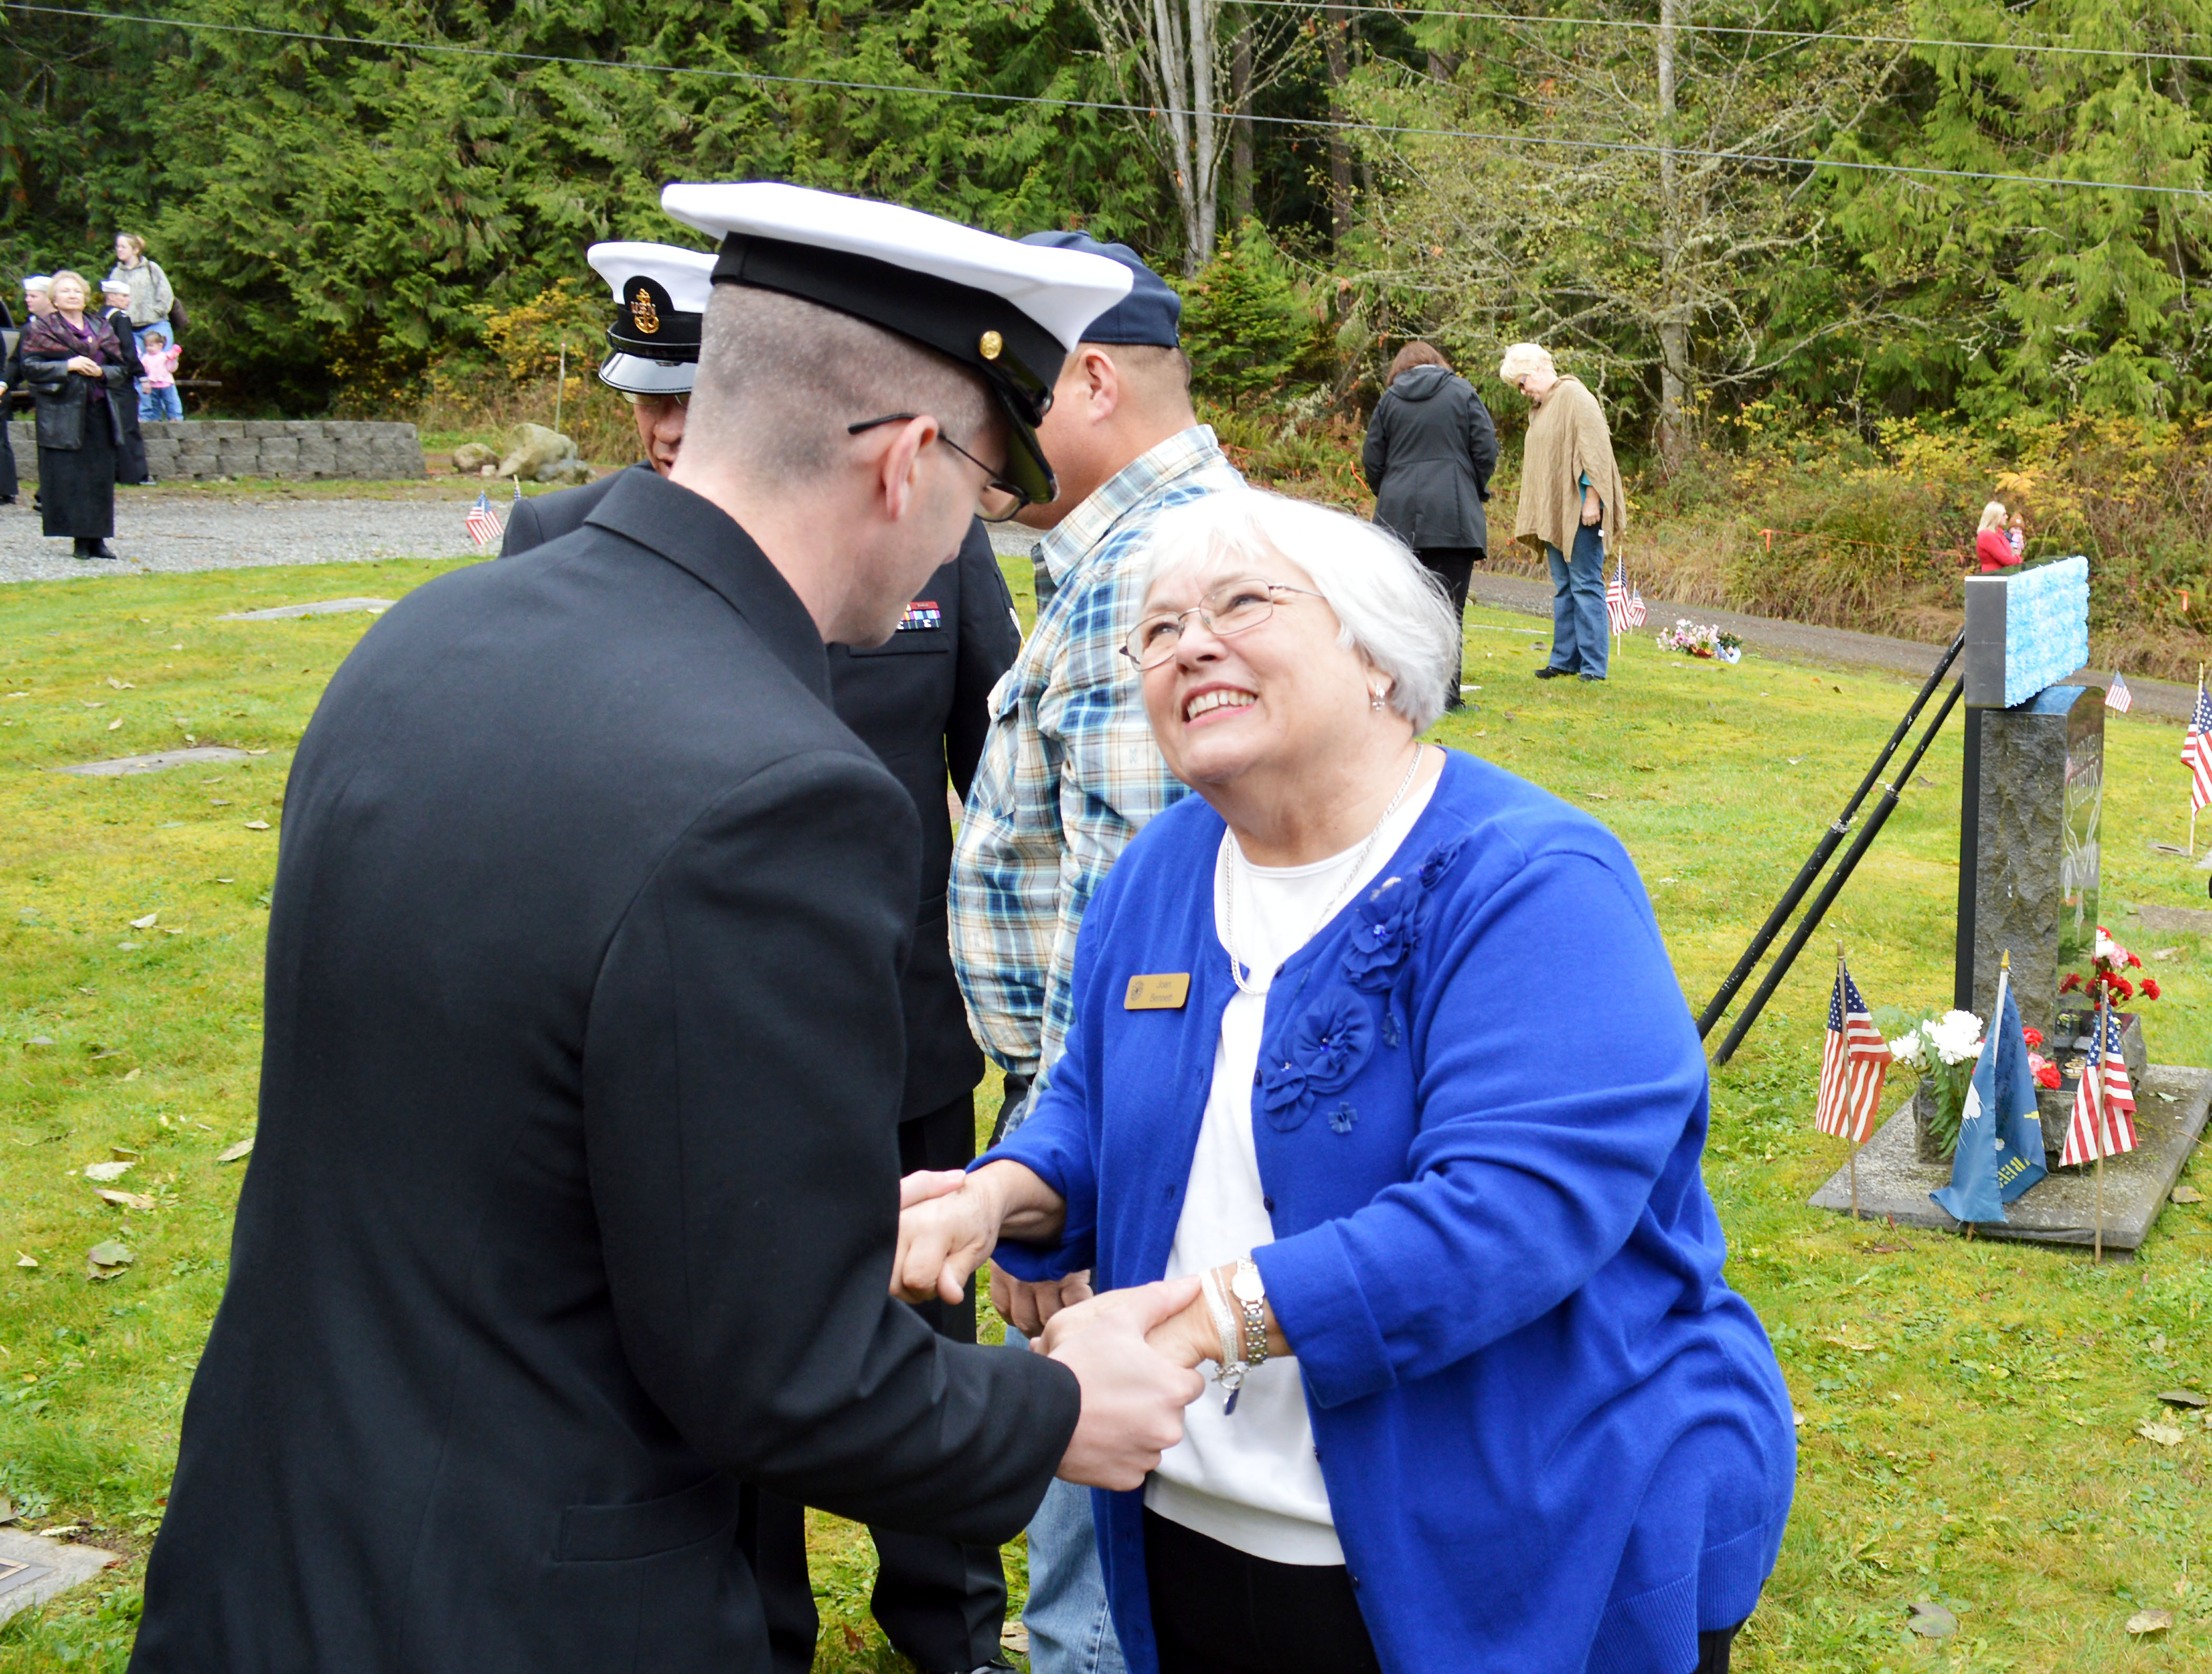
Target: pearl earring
(1374, 699)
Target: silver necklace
(1226, 871)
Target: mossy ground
(1970, 1409)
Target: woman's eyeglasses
(1234, 607)
(1000, 499)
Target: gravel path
(158, 532)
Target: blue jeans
(1581, 634)
(1071, 1630)
(158, 402)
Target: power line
(1809, 36)
(1325, 123)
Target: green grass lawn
(1969, 1409)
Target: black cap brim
(978, 330)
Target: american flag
(1853, 1065)
(1616, 600)
(2196, 751)
(2104, 1105)
(2116, 695)
(1636, 607)
(484, 524)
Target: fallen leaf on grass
(257, 824)
(2150, 1622)
(1015, 1637)
(65, 1530)
(145, 923)
(134, 1074)
(22, 1260)
(107, 1261)
(2158, 1430)
(1932, 1621)
(122, 1153)
(113, 725)
(233, 1152)
(2187, 1195)
(105, 1171)
(2165, 954)
(2182, 1397)
(127, 1200)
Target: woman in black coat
(9, 485)
(75, 370)
(1431, 449)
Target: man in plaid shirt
(1069, 774)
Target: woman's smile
(1210, 699)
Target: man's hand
(1593, 508)
(1028, 1305)
(1133, 1398)
(1186, 1337)
(948, 1227)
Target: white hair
(1523, 358)
(1393, 612)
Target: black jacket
(1431, 449)
(921, 701)
(575, 1186)
(60, 398)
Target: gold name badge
(1163, 992)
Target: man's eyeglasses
(682, 398)
(1000, 499)
(1232, 608)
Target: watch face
(1246, 1286)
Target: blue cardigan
(1553, 1438)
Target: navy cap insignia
(645, 307)
(992, 346)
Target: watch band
(1251, 1294)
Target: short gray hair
(1523, 358)
(1393, 611)
(780, 377)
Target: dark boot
(92, 548)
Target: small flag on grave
(483, 522)
(2116, 695)
(1853, 1064)
(1635, 607)
(2104, 1103)
(1999, 1153)
(1616, 598)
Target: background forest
(1851, 356)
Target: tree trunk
(1205, 129)
(1674, 325)
(1336, 40)
(1240, 146)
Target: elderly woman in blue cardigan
(1483, 1401)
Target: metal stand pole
(1811, 921)
(1838, 830)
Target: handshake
(1135, 1353)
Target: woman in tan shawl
(1570, 500)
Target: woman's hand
(1028, 1305)
(948, 1227)
(84, 366)
(1593, 508)
(951, 1221)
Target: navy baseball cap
(1149, 313)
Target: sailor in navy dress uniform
(921, 701)
(575, 1186)
(660, 293)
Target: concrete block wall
(290, 448)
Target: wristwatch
(1251, 1296)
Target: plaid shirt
(1070, 771)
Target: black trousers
(1217, 1611)
(1455, 567)
(76, 486)
(940, 1602)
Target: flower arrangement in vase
(2107, 982)
(1945, 1050)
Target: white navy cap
(661, 294)
(1008, 312)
